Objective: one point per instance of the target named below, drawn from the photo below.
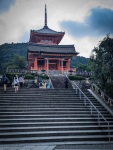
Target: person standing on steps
(44, 85)
(21, 80)
(5, 81)
(16, 83)
(66, 83)
(48, 85)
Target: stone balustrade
(103, 95)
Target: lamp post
(43, 71)
(37, 79)
(71, 71)
(62, 64)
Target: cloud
(99, 22)
(18, 20)
(5, 5)
(20, 16)
(101, 19)
(25, 37)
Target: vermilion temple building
(44, 53)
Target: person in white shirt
(16, 83)
(21, 80)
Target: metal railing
(103, 95)
(78, 90)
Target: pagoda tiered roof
(53, 49)
(46, 35)
(47, 30)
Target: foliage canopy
(102, 62)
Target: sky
(85, 22)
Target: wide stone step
(35, 99)
(50, 102)
(53, 128)
(55, 139)
(49, 105)
(28, 109)
(10, 89)
(37, 124)
(50, 112)
(22, 124)
(42, 105)
(47, 115)
(54, 133)
(40, 94)
(3, 120)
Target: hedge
(71, 77)
(29, 76)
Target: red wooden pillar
(35, 64)
(58, 64)
(68, 65)
(45, 68)
(47, 65)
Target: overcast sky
(85, 22)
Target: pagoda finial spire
(45, 16)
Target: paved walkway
(108, 146)
(27, 147)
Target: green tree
(78, 60)
(84, 67)
(102, 61)
(18, 62)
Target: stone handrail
(103, 95)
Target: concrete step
(55, 139)
(28, 109)
(63, 123)
(53, 133)
(3, 120)
(49, 116)
(54, 128)
(49, 112)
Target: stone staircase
(49, 116)
(58, 81)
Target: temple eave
(47, 54)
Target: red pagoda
(44, 53)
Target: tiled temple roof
(55, 49)
(47, 30)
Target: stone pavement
(27, 147)
(106, 146)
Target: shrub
(76, 77)
(11, 75)
(45, 77)
(29, 76)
